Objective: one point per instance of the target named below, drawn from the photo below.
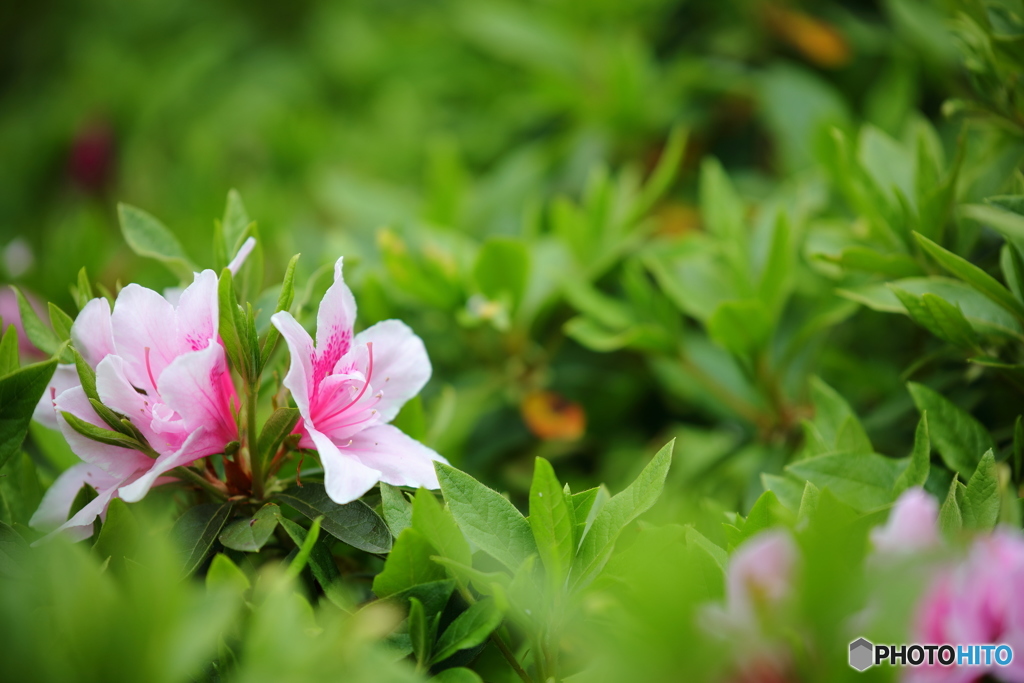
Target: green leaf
(486, 517)
(981, 498)
(9, 361)
(13, 553)
(766, 513)
(1009, 223)
(458, 674)
(251, 534)
(919, 463)
(894, 265)
(434, 595)
(740, 327)
(150, 238)
(408, 565)
(984, 316)
(974, 276)
(950, 518)
(862, 480)
(20, 391)
(469, 629)
(959, 438)
(501, 269)
(120, 534)
(664, 174)
(298, 563)
(808, 502)
(787, 489)
(835, 421)
(396, 507)
(231, 326)
(223, 573)
(195, 533)
(91, 431)
(277, 427)
(422, 636)
(483, 582)
(718, 554)
(597, 545)
(284, 302)
(61, 322)
(83, 292)
(41, 336)
(438, 526)
(20, 490)
(354, 523)
(552, 521)
(235, 222)
(776, 277)
(321, 562)
(582, 503)
(941, 318)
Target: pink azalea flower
(348, 387)
(912, 525)
(759, 580)
(159, 364)
(980, 601)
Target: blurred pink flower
(348, 387)
(159, 364)
(979, 601)
(759, 580)
(912, 525)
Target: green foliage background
(787, 235)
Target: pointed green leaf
(438, 526)
(396, 508)
(938, 316)
(421, 635)
(958, 437)
(223, 573)
(950, 518)
(861, 480)
(355, 523)
(620, 510)
(486, 517)
(150, 238)
(469, 629)
(14, 553)
(321, 562)
(408, 565)
(196, 531)
(120, 534)
(552, 522)
(9, 361)
(41, 336)
(83, 292)
(277, 427)
(20, 391)
(919, 463)
(301, 558)
(972, 275)
(981, 498)
(60, 321)
(250, 534)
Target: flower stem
(193, 477)
(252, 439)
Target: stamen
(366, 385)
(149, 369)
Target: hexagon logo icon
(861, 654)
